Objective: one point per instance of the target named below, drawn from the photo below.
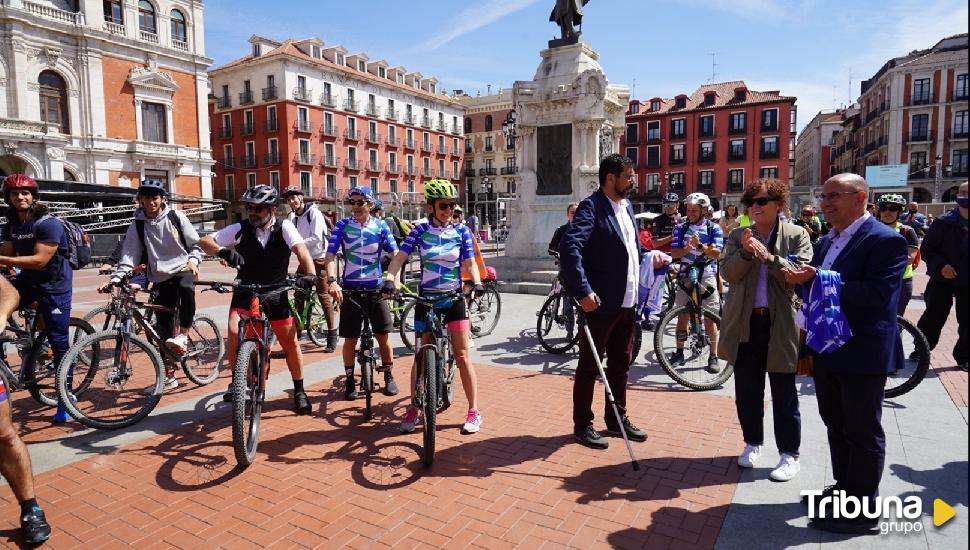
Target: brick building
(814, 158)
(301, 113)
(489, 169)
(105, 91)
(712, 141)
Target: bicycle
(696, 339)
(131, 391)
(435, 389)
(916, 359)
(367, 349)
(308, 314)
(483, 313)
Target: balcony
(426, 147)
(489, 148)
(393, 168)
(391, 114)
(427, 172)
(271, 125)
(653, 163)
(305, 159)
(737, 131)
(682, 135)
(486, 171)
(55, 14)
(329, 130)
(735, 186)
(441, 150)
(768, 154)
(469, 172)
(225, 132)
(271, 159)
(228, 163)
(737, 154)
(922, 99)
(410, 143)
(373, 166)
(303, 126)
(455, 151)
(630, 140)
(959, 172)
(700, 133)
(705, 157)
(247, 128)
(223, 102)
(960, 95)
(677, 161)
(918, 136)
(328, 100)
(246, 97)
(426, 122)
(148, 36)
(330, 161)
(959, 133)
(352, 164)
(455, 129)
(247, 161)
(509, 170)
(409, 119)
(919, 172)
(773, 127)
(180, 45)
(468, 149)
(373, 137)
(270, 93)
(351, 105)
(654, 139)
(410, 171)
(441, 127)
(302, 94)
(351, 134)
(113, 27)
(373, 110)
(392, 141)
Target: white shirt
(841, 239)
(313, 228)
(629, 233)
(226, 237)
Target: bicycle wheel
(40, 371)
(637, 342)
(558, 332)
(406, 330)
(101, 318)
(916, 360)
(484, 311)
(429, 365)
(692, 370)
(367, 384)
(247, 403)
(205, 352)
(125, 381)
(316, 323)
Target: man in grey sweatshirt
(166, 242)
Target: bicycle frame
(127, 314)
(441, 343)
(302, 315)
(255, 326)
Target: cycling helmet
(671, 197)
(261, 194)
(378, 205)
(20, 181)
(363, 192)
(292, 190)
(893, 198)
(458, 210)
(700, 199)
(439, 189)
(152, 187)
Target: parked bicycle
(308, 315)
(916, 355)
(367, 349)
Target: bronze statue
(568, 14)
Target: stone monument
(567, 118)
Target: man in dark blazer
(600, 257)
(850, 381)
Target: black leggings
(176, 292)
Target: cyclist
(694, 238)
(362, 238)
(567, 305)
(890, 207)
(664, 224)
(445, 248)
(13, 453)
(312, 226)
(260, 247)
(36, 242)
(165, 241)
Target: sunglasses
(807, 214)
(446, 205)
(256, 208)
(834, 195)
(760, 201)
(356, 203)
(890, 208)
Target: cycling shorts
(352, 319)
(455, 315)
(711, 302)
(3, 391)
(277, 307)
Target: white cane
(609, 392)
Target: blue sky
(804, 48)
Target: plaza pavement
(332, 480)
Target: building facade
(913, 111)
(814, 151)
(105, 91)
(489, 169)
(299, 113)
(712, 141)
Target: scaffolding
(92, 217)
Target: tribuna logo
(905, 511)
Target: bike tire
(546, 321)
(485, 311)
(429, 363)
(101, 318)
(98, 349)
(246, 417)
(367, 384)
(40, 370)
(921, 364)
(674, 371)
(206, 351)
(637, 342)
(406, 328)
(316, 323)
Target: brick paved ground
(953, 379)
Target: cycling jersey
(708, 233)
(266, 251)
(362, 245)
(442, 250)
(663, 226)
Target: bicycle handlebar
(225, 287)
(451, 295)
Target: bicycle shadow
(14, 538)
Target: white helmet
(700, 199)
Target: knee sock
(28, 505)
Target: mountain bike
(127, 371)
(308, 314)
(916, 360)
(483, 313)
(692, 372)
(251, 370)
(367, 349)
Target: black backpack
(176, 223)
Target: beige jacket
(741, 270)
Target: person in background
(872, 209)
(729, 219)
(644, 235)
(744, 220)
(890, 206)
(663, 225)
(810, 223)
(915, 219)
(473, 223)
(561, 230)
(944, 249)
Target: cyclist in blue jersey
(445, 248)
(362, 238)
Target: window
(709, 98)
(339, 59)
(705, 179)
(488, 123)
(653, 183)
(230, 187)
(769, 147)
(382, 72)
(352, 182)
(488, 144)
(960, 124)
(53, 101)
(274, 180)
(361, 66)
(959, 164)
(737, 150)
(329, 158)
(331, 185)
(426, 140)
(676, 180)
(454, 167)
(227, 158)
(770, 172)
(153, 122)
(328, 128)
(680, 102)
(441, 168)
(468, 145)
(352, 155)
(920, 128)
(468, 125)
(410, 186)
(631, 153)
(921, 91)
(177, 26)
(769, 120)
(653, 156)
(677, 154)
(114, 12)
(738, 123)
(960, 91)
(917, 165)
(736, 179)
(250, 180)
(705, 126)
(441, 144)
(706, 152)
(271, 120)
(631, 133)
(653, 131)
(393, 184)
(375, 185)
(304, 148)
(654, 105)
(678, 128)
(146, 17)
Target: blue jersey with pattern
(442, 250)
(708, 233)
(362, 245)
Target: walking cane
(609, 392)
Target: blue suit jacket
(871, 266)
(592, 254)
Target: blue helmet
(363, 192)
(152, 187)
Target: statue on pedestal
(568, 14)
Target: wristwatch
(331, 280)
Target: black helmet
(261, 194)
(292, 190)
(671, 197)
(152, 187)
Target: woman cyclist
(445, 248)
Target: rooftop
(724, 96)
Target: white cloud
(472, 18)
(755, 9)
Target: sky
(816, 50)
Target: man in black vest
(260, 247)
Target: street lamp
(487, 185)
(508, 128)
(938, 180)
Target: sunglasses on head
(760, 201)
(446, 205)
(356, 203)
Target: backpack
(78, 242)
(176, 223)
(403, 225)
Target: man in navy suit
(600, 256)
(870, 257)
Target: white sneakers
(749, 457)
(178, 344)
(786, 469)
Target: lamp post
(938, 180)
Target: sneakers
(713, 365)
(591, 438)
(677, 358)
(786, 469)
(473, 422)
(632, 432)
(301, 403)
(410, 420)
(170, 384)
(390, 386)
(350, 389)
(749, 457)
(331, 342)
(178, 344)
(35, 527)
